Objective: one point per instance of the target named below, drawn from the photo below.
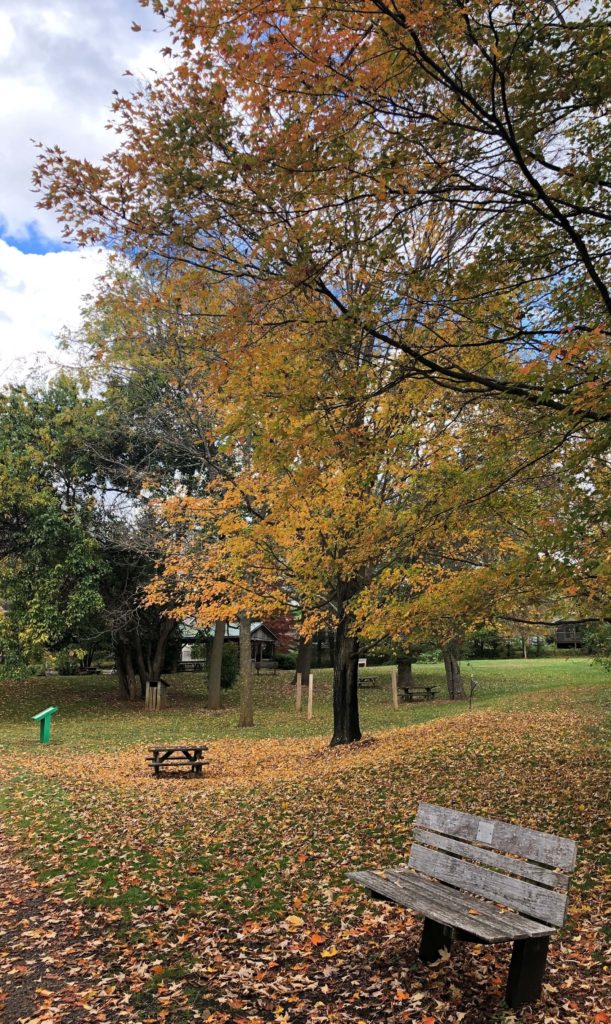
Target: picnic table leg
(526, 971)
(156, 758)
(435, 937)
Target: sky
(59, 63)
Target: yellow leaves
(330, 952)
(293, 921)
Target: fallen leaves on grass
(224, 899)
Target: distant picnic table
(183, 756)
(411, 693)
(367, 682)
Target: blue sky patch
(31, 240)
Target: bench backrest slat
(541, 847)
(492, 859)
(533, 900)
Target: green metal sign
(44, 717)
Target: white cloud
(40, 295)
(58, 66)
(59, 63)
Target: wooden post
(395, 692)
(298, 692)
(153, 698)
(310, 695)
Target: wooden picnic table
(418, 692)
(367, 682)
(183, 756)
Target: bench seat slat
(487, 913)
(533, 900)
(445, 905)
(541, 847)
(534, 872)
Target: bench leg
(435, 937)
(526, 971)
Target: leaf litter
(224, 899)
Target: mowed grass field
(92, 717)
(224, 898)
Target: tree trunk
(453, 677)
(524, 648)
(142, 672)
(214, 671)
(165, 628)
(149, 661)
(346, 728)
(304, 660)
(129, 685)
(245, 681)
(331, 639)
(404, 670)
(121, 673)
(88, 657)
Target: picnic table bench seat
(480, 880)
(178, 756)
(367, 682)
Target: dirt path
(50, 964)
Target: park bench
(484, 881)
(367, 682)
(177, 757)
(411, 693)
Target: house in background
(263, 642)
(569, 634)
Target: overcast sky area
(59, 62)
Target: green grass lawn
(92, 717)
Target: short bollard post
(44, 717)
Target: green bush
(288, 659)
(199, 650)
(230, 666)
(597, 639)
(430, 657)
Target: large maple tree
(409, 204)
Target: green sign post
(44, 717)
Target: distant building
(569, 634)
(263, 642)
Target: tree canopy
(379, 237)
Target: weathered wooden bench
(177, 757)
(480, 880)
(418, 692)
